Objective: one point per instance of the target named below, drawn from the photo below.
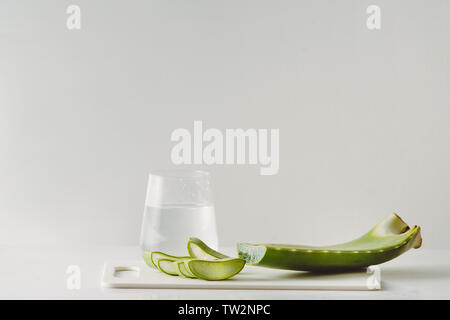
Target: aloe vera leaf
(219, 269)
(387, 240)
(183, 269)
(168, 266)
(156, 255)
(198, 249)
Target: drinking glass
(178, 205)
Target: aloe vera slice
(219, 269)
(156, 255)
(168, 266)
(387, 240)
(183, 270)
(200, 250)
(147, 258)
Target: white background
(364, 116)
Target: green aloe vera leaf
(387, 240)
(168, 266)
(183, 270)
(219, 269)
(200, 250)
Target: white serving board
(250, 278)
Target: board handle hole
(126, 272)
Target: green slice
(387, 240)
(168, 266)
(147, 258)
(183, 270)
(219, 269)
(200, 250)
(156, 255)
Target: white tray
(136, 274)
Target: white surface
(364, 116)
(249, 278)
(40, 273)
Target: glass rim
(180, 174)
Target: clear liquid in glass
(168, 228)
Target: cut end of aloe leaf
(252, 254)
(219, 269)
(200, 250)
(390, 238)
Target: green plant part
(156, 255)
(219, 269)
(198, 249)
(387, 240)
(151, 258)
(183, 270)
(147, 255)
(168, 266)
